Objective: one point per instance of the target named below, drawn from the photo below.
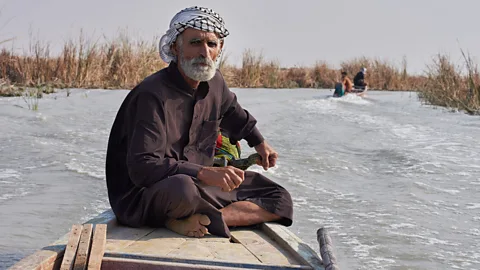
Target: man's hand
(268, 154)
(227, 178)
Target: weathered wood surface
(131, 264)
(269, 246)
(41, 260)
(121, 261)
(326, 249)
(81, 258)
(263, 247)
(293, 244)
(71, 248)
(50, 257)
(98, 247)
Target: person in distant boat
(359, 79)
(347, 83)
(343, 87)
(160, 153)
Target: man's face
(197, 52)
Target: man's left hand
(268, 154)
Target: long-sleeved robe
(163, 134)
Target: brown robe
(163, 134)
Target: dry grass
(453, 86)
(122, 63)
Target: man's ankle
(169, 222)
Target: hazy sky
(294, 32)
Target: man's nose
(205, 50)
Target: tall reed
(122, 62)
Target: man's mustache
(202, 60)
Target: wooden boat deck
(267, 246)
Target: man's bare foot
(194, 226)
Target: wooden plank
(163, 242)
(71, 247)
(40, 260)
(129, 261)
(159, 242)
(81, 259)
(98, 247)
(191, 249)
(231, 252)
(263, 247)
(293, 244)
(50, 257)
(131, 264)
(120, 237)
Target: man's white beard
(197, 72)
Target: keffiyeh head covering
(199, 18)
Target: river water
(395, 182)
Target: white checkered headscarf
(199, 18)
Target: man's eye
(212, 44)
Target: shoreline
(122, 63)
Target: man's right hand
(227, 178)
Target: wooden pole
(326, 250)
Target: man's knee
(178, 195)
(180, 186)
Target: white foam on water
(98, 206)
(475, 232)
(429, 187)
(354, 99)
(318, 106)
(473, 206)
(380, 263)
(300, 201)
(461, 259)
(86, 168)
(6, 182)
(425, 239)
(403, 225)
(360, 250)
(20, 192)
(321, 209)
(43, 165)
(9, 173)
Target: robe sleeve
(238, 122)
(146, 159)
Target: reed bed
(122, 62)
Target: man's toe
(204, 220)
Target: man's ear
(174, 49)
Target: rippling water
(395, 182)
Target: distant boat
(102, 243)
(357, 90)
